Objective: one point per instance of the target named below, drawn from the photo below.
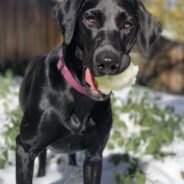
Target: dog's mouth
(92, 87)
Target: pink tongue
(89, 79)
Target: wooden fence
(27, 28)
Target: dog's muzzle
(107, 63)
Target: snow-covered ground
(165, 171)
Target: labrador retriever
(63, 109)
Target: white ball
(127, 78)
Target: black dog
(98, 37)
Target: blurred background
(28, 29)
(148, 133)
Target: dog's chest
(76, 115)
(78, 125)
(78, 120)
(79, 131)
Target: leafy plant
(116, 159)
(132, 175)
(8, 93)
(3, 157)
(158, 126)
(11, 130)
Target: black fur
(56, 116)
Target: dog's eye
(91, 20)
(126, 25)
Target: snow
(165, 171)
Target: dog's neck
(73, 63)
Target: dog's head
(104, 32)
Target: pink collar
(65, 72)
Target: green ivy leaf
(140, 178)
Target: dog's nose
(107, 63)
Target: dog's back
(32, 77)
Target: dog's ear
(66, 14)
(149, 29)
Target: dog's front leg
(24, 165)
(92, 169)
